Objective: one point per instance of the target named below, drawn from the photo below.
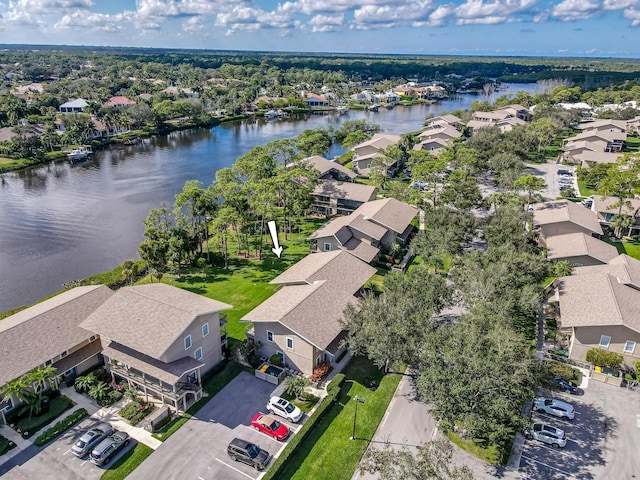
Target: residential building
(119, 101)
(517, 111)
(600, 306)
(331, 197)
(301, 322)
(605, 209)
(329, 169)
(314, 100)
(439, 130)
(74, 106)
(452, 120)
(563, 216)
(580, 249)
(50, 334)
(372, 226)
(604, 125)
(366, 153)
(161, 340)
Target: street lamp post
(355, 415)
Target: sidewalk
(105, 414)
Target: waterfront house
(301, 322)
(331, 197)
(329, 169)
(314, 100)
(368, 152)
(50, 334)
(161, 340)
(119, 101)
(74, 106)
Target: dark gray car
(249, 453)
(91, 438)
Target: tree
(461, 191)
(14, 388)
(507, 168)
(426, 168)
(545, 132)
(294, 385)
(530, 184)
(391, 326)
(155, 248)
(562, 268)
(99, 392)
(622, 182)
(433, 461)
(620, 223)
(129, 270)
(41, 378)
(85, 382)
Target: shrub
(276, 360)
(603, 358)
(321, 371)
(558, 369)
(133, 412)
(33, 424)
(5, 445)
(295, 385)
(333, 390)
(61, 427)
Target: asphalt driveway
(198, 450)
(56, 462)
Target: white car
(547, 434)
(557, 408)
(284, 408)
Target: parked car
(107, 448)
(270, 426)
(587, 202)
(564, 171)
(546, 434)
(566, 186)
(557, 408)
(246, 452)
(565, 385)
(91, 438)
(285, 409)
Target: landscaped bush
(603, 358)
(558, 369)
(276, 360)
(134, 412)
(28, 426)
(333, 390)
(5, 445)
(321, 371)
(60, 427)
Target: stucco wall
(300, 358)
(586, 338)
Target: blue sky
(583, 28)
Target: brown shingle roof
(389, 212)
(149, 318)
(330, 228)
(333, 280)
(345, 190)
(605, 205)
(579, 244)
(548, 213)
(363, 250)
(57, 322)
(369, 228)
(323, 166)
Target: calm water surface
(60, 222)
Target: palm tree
(42, 377)
(620, 223)
(14, 388)
(84, 383)
(49, 134)
(99, 392)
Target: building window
(64, 354)
(92, 338)
(319, 360)
(48, 362)
(327, 247)
(290, 343)
(604, 341)
(629, 347)
(205, 330)
(187, 342)
(9, 406)
(198, 354)
(269, 336)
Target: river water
(60, 222)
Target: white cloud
(481, 21)
(327, 23)
(569, 10)
(438, 17)
(542, 17)
(251, 19)
(634, 15)
(368, 14)
(619, 4)
(94, 21)
(193, 25)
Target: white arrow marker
(277, 249)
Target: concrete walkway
(105, 414)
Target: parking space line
(548, 466)
(66, 452)
(269, 436)
(200, 478)
(234, 468)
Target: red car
(270, 426)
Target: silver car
(557, 408)
(92, 437)
(547, 434)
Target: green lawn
(328, 453)
(584, 190)
(128, 462)
(630, 248)
(489, 454)
(306, 405)
(632, 144)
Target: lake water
(60, 222)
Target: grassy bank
(328, 453)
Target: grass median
(328, 453)
(128, 462)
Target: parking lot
(199, 449)
(549, 173)
(56, 462)
(601, 441)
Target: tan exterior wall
(301, 357)
(366, 150)
(331, 240)
(586, 338)
(87, 364)
(389, 238)
(562, 228)
(211, 345)
(581, 260)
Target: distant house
(331, 197)
(440, 130)
(119, 101)
(607, 141)
(562, 217)
(329, 169)
(588, 158)
(605, 211)
(373, 225)
(364, 96)
(301, 322)
(365, 153)
(50, 334)
(161, 339)
(517, 111)
(600, 306)
(604, 126)
(447, 118)
(74, 106)
(314, 100)
(580, 249)
(431, 146)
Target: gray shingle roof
(605, 205)
(578, 244)
(548, 213)
(363, 250)
(369, 228)
(345, 190)
(389, 212)
(58, 324)
(323, 165)
(314, 311)
(149, 318)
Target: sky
(578, 28)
